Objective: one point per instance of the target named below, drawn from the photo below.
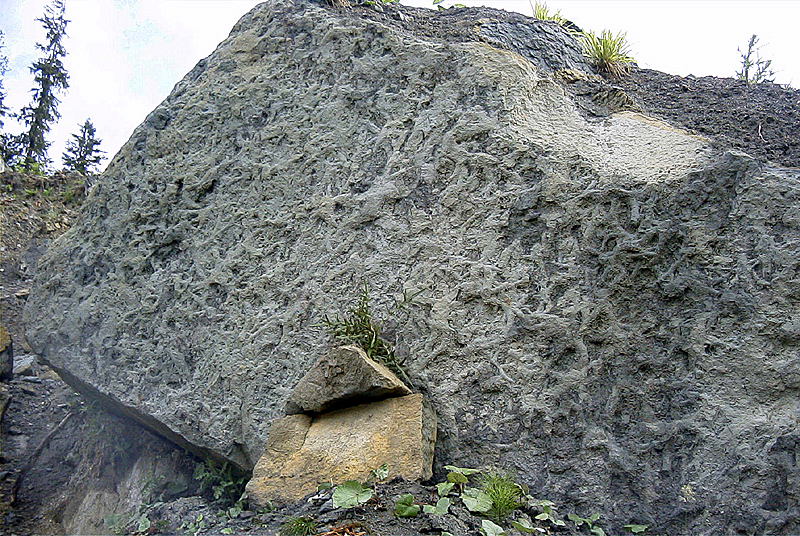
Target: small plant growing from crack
(505, 494)
(358, 327)
(404, 506)
(224, 482)
(589, 522)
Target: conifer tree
(82, 153)
(6, 140)
(3, 70)
(50, 77)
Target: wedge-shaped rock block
(345, 444)
(342, 375)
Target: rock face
(342, 375)
(342, 445)
(606, 306)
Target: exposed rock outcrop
(606, 307)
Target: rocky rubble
(605, 304)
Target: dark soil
(36, 407)
(762, 120)
(33, 210)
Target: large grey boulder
(607, 307)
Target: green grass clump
(608, 53)
(298, 526)
(542, 12)
(506, 495)
(357, 327)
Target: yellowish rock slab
(345, 445)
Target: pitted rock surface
(606, 307)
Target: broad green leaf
(594, 517)
(491, 529)
(523, 525)
(144, 524)
(381, 472)
(576, 519)
(235, 510)
(463, 470)
(559, 522)
(442, 505)
(350, 494)
(227, 530)
(404, 506)
(443, 488)
(598, 531)
(636, 529)
(476, 500)
(456, 478)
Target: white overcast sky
(124, 56)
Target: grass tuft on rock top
(542, 12)
(357, 327)
(608, 53)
